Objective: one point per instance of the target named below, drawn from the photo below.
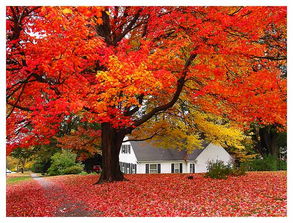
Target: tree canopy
(125, 66)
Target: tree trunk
(274, 149)
(111, 142)
(22, 165)
(257, 138)
(269, 140)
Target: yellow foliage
(182, 132)
(67, 11)
(124, 82)
(215, 131)
(11, 163)
(28, 165)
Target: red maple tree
(121, 66)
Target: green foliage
(85, 173)
(238, 171)
(220, 170)
(41, 166)
(77, 168)
(267, 163)
(282, 165)
(23, 155)
(64, 163)
(11, 180)
(43, 158)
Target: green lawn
(11, 180)
(17, 177)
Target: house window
(125, 149)
(192, 168)
(176, 167)
(153, 168)
(134, 168)
(127, 168)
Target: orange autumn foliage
(123, 65)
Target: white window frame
(153, 170)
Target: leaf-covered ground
(256, 194)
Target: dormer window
(125, 149)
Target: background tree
(122, 66)
(23, 155)
(42, 158)
(11, 163)
(268, 140)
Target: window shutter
(180, 167)
(130, 168)
(147, 168)
(134, 168)
(172, 168)
(192, 168)
(159, 168)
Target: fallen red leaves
(27, 199)
(256, 194)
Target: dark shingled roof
(145, 151)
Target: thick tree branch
(19, 107)
(17, 100)
(104, 29)
(136, 140)
(128, 28)
(272, 58)
(180, 84)
(236, 11)
(129, 112)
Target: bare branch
(128, 28)
(129, 112)
(236, 11)
(272, 58)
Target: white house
(142, 157)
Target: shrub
(78, 168)
(282, 165)
(64, 163)
(43, 159)
(238, 171)
(41, 166)
(218, 170)
(267, 163)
